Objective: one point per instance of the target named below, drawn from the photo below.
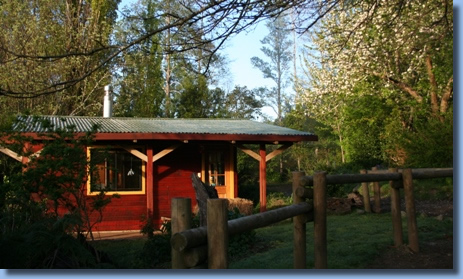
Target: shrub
(241, 243)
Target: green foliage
(430, 143)
(52, 55)
(45, 204)
(44, 244)
(239, 245)
(433, 189)
(363, 134)
(156, 251)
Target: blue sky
(239, 50)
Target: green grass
(354, 241)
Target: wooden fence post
(180, 221)
(395, 211)
(410, 208)
(377, 191)
(366, 194)
(217, 233)
(319, 200)
(299, 227)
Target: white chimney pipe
(107, 102)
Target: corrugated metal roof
(158, 125)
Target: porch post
(149, 182)
(263, 178)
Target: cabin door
(218, 170)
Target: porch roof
(117, 128)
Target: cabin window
(116, 170)
(216, 168)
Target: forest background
(373, 79)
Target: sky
(239, 50)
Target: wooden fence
(191, 248)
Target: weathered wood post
(366, 194)
(180, 221)
(319, 201)
(299, 227)
(217, 233)
(395, 211)
(407, 179)
(377, 191)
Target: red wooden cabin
(152, 159)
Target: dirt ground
(432, 255)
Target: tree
(406, 49)
(43, 206)
(401, 51)
(276, 48)
(218, 20)
(242, 103)
(140, 84)
(42, 48)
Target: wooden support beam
(299, 227)
(269, 156)
(181, 221)
(366, 194)
(11, 154)
(136, 153)
(217, 233)
(395, 211)
(263, 179)
(249, 152)
(320, 231)
(149, 182)
(377, 193)
(412, 227)
(277, 151)
(164, 152)
(198, 236)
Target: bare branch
(222, 20)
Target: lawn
(354, 241)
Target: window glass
(116, 170)
(216, 168)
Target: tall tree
(277, 48)
(399, 50)
(45, 44)
(139, 85)
(218, 20)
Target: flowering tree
(400, 51)
(408, 47)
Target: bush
(155, 251)
(239, 244)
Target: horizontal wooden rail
(198, 236)
(379, 175)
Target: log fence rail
(190, 245)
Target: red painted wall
(172, 178)
(124, 213)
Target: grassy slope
(353, 241)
